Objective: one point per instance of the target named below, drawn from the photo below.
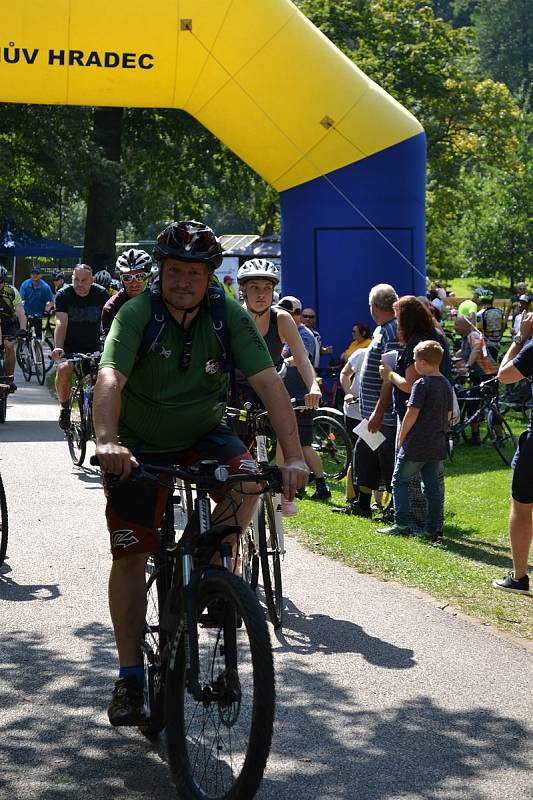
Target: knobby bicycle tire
(270, 557)
(504, 440)
(38, 361)
(76, 434)
(24, 359)
(3, 522)
(331, 441)
(218, 747)
(153, 647)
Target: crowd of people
(177, 348)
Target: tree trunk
(103, 201)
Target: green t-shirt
(466, 308)
(166, 408)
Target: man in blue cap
(38, 298)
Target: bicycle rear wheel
(3, 522)
(218, 747)
(76, 435)
(38, 361)
(24, 359)
(269, 555)
(331, 442)
(153, 648)
(501, 436)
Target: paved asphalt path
(381, 694)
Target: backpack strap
(153, 331)
(216, 298)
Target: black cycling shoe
(12, 387)
(64, 419)
(126, 707)
(321, 493)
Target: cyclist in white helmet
(134, 268)
(257, 279)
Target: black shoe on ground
(510, 584)
(357, 511)
(346, 509)
(12, 387)
(321, 493)
(64, 419)
(474, 441)
(386, 515)
(126, 707)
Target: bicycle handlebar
(80, 357)
(218, 475)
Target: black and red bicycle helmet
(189, 240)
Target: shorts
(134, 511)
(375, 467)
(522, 466)
(9, 327)
(37, 324)
(304, 420)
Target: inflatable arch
(346, 158)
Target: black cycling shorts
(522, 465)
(134, 511)
(9, 327)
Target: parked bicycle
(480, 404)
(30, 355)
(209, 673)
(3, 522)
(332, 442)
(81, 430)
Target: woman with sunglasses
(134, 268)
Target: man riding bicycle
(134, 267)
(38, 299)
(78, 311)
(164, 403)
(12, 320)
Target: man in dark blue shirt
(516, 365)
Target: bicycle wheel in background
(38, 361)
(501, 436)
(3, 522)
(76, 435)
(3, 406)
(270, 557)
(218, 746)
(331, 442)
(24, 358)
(152, 647)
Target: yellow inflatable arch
(347, 159)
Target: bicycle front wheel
(3, 522)
(218, 746)
(24, 359)
(38, 361)
(501, 436)
(331, 442)
(153, 648)
(76, 436)
(270, 557)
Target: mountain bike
(209, 673)
(81, 430)
(30, 355)
(3, 522)
(479, 404)
(263, 542)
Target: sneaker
(126, 707)
(12, 387)
(387, 515)
(429, 536)
(288, 508)
(377, 508)
(395, 530)
(321, 493)
(64, 419)
(511, 584)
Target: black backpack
(154, 330)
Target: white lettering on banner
(77, 58)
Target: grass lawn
(463, 287)
(458, 572)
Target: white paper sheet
(373, 440)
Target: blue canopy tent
(16, 244)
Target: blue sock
(137, 670)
